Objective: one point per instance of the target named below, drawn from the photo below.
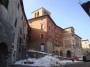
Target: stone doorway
(68, 54)
(61, 53)
(42, 47)
(3, 55)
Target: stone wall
(6, 31)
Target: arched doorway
(42, 47)
(68, 54)
(3, 55)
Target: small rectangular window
(15, 23)
(42, 36)
(13, 36)
(37, 14)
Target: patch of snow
(47, 61)
(20, 62)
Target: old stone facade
(85, 43)
(45, 34)
(85, 47)
(58, 41)
(6, 32)
(72, 43)
(13, 31)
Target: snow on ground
(47, 61)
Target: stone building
(71, 43)
(13, 31)
(45, 34)
(85, 43)
(85, 46)
(58, 41)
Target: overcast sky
(65, 13)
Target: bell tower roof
(40, 12)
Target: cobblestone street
(81, 64)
